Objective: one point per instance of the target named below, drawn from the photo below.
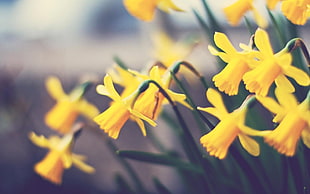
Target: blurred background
(73, 39)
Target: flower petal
(286, 99)
(39, 140)
(270, 104)
(282, 82)
(215, 99)
(262, 42)
(54, 88)
(305, 134)
(87, 109)
(222, 41)
(301, 77)
(249, 144)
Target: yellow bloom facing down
(113, 119)
(293, 118)
(238, 63)
(272, 68)
(150, 102)
(230, 127)
(145, 9)
(68, 107)
(59, 158)
(297, 11)
(237, 10)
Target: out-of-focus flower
(297, 11)
(59, 157)
(113, 119)
(150, 102)
(272, 68)
(168, 51)
(231, 125)
(68, 106)
(238, 63)
(145, 9)
(237, 10)
(293, 118)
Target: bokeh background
(75, 39)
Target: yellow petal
(166, 5)
(78, 162)
(223, 42)
(260, 20)
(262, 42)
(252, 132)
(180, 98)
(215, 99)
(139, 115)
(87, 109)
(249, 144)
(141, 9)
(39, 140)
(301, 77)
(282, 82)
(213, 111)
(286, 99)
(141, 125)
(109, 88)
(54, 88)
(270, 104)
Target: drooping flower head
(272, 68)
(113, 118)
(68, 106)
(297, 11)
(237, 10)
(145, 9)
(238, 63)
(231, 126)
(293, 119)
(59, 157)
(150, 102)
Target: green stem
(186, 137)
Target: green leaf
(162, 159)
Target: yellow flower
(271, 4)
(68, 107)
(293, 118)
(167, 51)
(145, 9)
(150, 102)
(297, 11)
(272, 68)
(231, 125)
(238, 63)
(59, 157)
(237, 10)
(113, 119)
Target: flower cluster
(271, 79)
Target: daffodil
(238, 63)
(68, 106)
(297, 11)
(59, 157)
(145, 9)
(293, 119)
(168, 51)
(271, 4)
(113, 118)
(231, 126)
(150, 102)
(237, 10)
(272, 68)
